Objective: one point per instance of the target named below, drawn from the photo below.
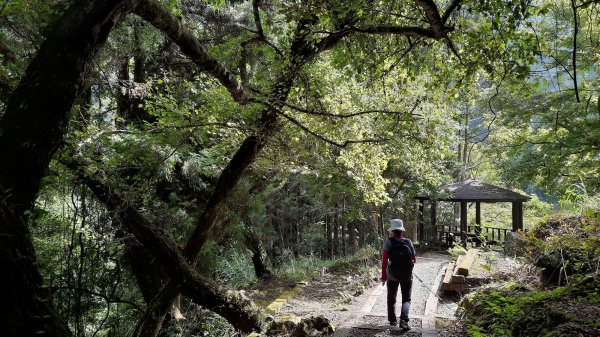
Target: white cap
(396, 224)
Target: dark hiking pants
(392, 292)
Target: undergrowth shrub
(199, 322)
(230, 265)
(517, 310)
(297, 268)
(567, 300)
(565, 247)
(302, 267)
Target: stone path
(368, 317)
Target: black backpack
(401, 262)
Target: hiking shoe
(393, 324)
(404, 325)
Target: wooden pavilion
(465, 192)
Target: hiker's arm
(384, 261)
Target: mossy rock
(312, 326)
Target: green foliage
(80, 259)
(457, 250)
(568, 244)
(571, 243)
(297, 268)
(548, 136)
(518, 311)
(304, 267)
(199, 322)
(235, 268)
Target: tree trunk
(260, 258)
(31, 130)
(335, 222)
(343, 229)
(352, 236)
(131, 92)
(328, 238)
(149, 275)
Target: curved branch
(348, 115)
(239, 311)
(396, 30)
(106, 298)
(327, 140)
(160, 17)
(586, 3)
(411, 46)
(449, 10)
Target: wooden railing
(487, 233)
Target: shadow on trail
(371, 330)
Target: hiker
(400, 253)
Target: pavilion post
(421, 228)
(463, 222)
(433, 219)
(478, 222)
(517, 216)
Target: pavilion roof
(472, 190)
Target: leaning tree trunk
(148, 273)
(31, 130)
(240, 312)
(260, 259)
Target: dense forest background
(158, 152)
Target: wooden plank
(458, 261)
(467, 262)
(458, 279)
(432, 301)
(457, 287)
(449, 272)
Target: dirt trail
(366, 315)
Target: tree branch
(586, 3)
(396, 30)
(433, 17)
(105, 297)
(453, 5)
(257, 22)
(327, 140)
(347, 115)
(160, 17)
(411, 46)
(575, 31)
